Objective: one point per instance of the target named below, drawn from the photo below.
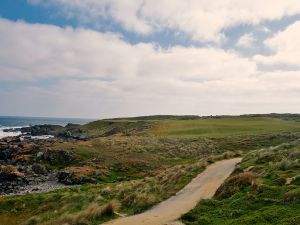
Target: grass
(93, 204)
(139, 162)
(180, 126)
(262, 190)
(102, 128)
(215, 127)
(116, 158)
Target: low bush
(262, 190)
(235, 183)
(292, 196)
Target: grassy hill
(182, 126)
(135, 163)
(218, 127)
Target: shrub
(292, 196)
(280, 181)
(266, 157)
(234, 183)
(203, 220)
(296, 180)
(92, 212)
(32, 221)
(144, 201)
(285, 164)
(109, 208)
(189, 217)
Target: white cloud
(202, 20)
(94, 74)
(78, 53)
(265, 29)
(246, 41)
(285, 47)
(45, 51)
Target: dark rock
(71, 178)
(59, 156)
(11, 179)
(39, 154)
(72, 125)
(111, 132)
(38, 130)
(65, 177)
(81, 137)
(21, 163)
(12, 130)
(39, 169)
(70, 131)
(6, 154)
(22, 158)
(9, 173)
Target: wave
(9, 134)
(4, 134)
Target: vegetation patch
(127, 165)
(260, 191)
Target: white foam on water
(8, 134)
(17, 133)
(4, 134)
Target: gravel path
(203, 186)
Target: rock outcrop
(26, 162)
(70, 131)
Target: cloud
(56, 52)
(285, 47)
(201, 20)
(246, 41)
(83, 73)
(265, 29)
(84, 54)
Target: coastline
(4, 134)
(14, 122)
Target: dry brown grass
(234, 183)
(92, 212)
(9, 170)
(33, 221)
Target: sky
(111, 58)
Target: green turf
(224, 127)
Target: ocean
(17, 122)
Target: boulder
(39, 169)
(46, 129)
(39, 154)
(111, 132)
(9, 173)
(77, 175)
(70, 178)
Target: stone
(39, 154)
(39, 169)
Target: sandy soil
(203, 186)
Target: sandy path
(203, 186)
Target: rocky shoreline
(29, 165)
(24, 165)
(70, 131)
